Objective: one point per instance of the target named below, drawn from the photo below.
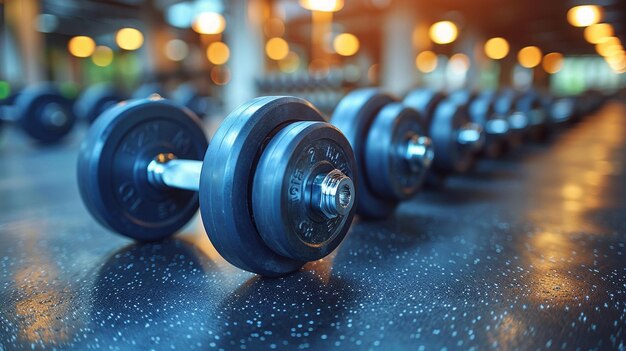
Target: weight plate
(44, 114)
(354, 116)
(226, 181)
(504, 105)
(95, 100)
(113, 161)
(482, 111)
(188, 96)
(425, 101)
(529, 103)
(450, 156)
(283, 186)
(389, 173)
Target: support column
(27, 66)
(245, 37)
(398, 71)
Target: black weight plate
(504, 105)
(95, 100)
(425, 101)
(387, 169)
(44, 114)
(188, 96)
(281, 197)
(112, 167)
(354, 117)
(529, 103)
(450, 157)
(227, 176)
(496, 127)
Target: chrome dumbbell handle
(332, 193)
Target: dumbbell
(456, 139)
(95, 100)
(530, 104)
(42, 112)
(560, 110)
(504, 104)
(481, 111)
(276, 188)
(187, 95)
(392, 150)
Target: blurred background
(317, 49)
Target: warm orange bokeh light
(81, 46)
(595, 33)
(552, 62)
(209, 23)
(218, 53)
(277, 48)
(496, 48)
(129, 39)
(529, 57)
(346, 44)
(426, 61)
(443, 32)
(584, 15)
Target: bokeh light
(129, 39)
(443, 32)
(608, 46)
(274, 27)
(322, 5)
(552, 62)
(529, 56)
(218, 53)
(81, 46)
(277, 48)
(459, 63)
(584, 15)
(496, 48)
(346, 44)
(176, 50)
(290, 63)
(102, 56)
(209, 23)
(5, 89)
(220, 75)
(426, 61)
(595, 33)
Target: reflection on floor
(526, 252)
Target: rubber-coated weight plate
(354, 117)
(504, 105)
(425, 101)
(450, 157)
(387, 168)
(496, 127)
(529, 103)
(227, 176)
(44, 114)
(283, 185)
(95, 100)
(113, 161)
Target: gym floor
(526, 252)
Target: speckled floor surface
(525, 253)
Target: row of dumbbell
(48, 117)
(278, 185)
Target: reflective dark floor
(525, 253)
